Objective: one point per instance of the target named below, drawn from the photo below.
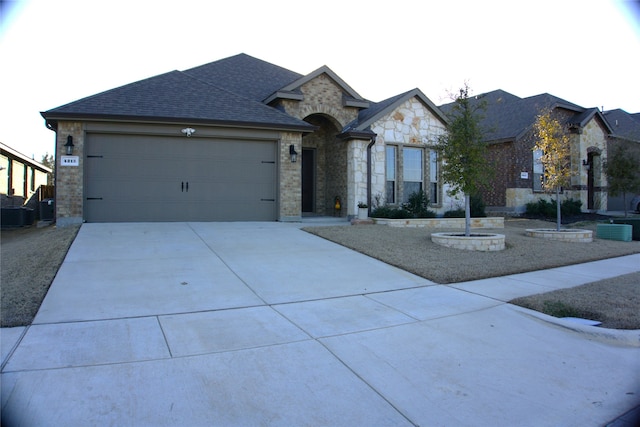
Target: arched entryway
(324, 168)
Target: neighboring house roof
(623, 124)
(7, 151)
(508, 117)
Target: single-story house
(626, 135)
(21, 177)
(241, 139)
(508, 125)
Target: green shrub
(387, 211)
(571, 207)
(547, 208)
(476, 207)
(418, 206)
(456, 213)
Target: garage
(132, 178)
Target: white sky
(56, 51)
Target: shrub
(418, 206)
(476, 207)
(387, 211)
(455, 213)
(571, 207)
(548, 208)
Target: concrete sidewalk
(263, 324)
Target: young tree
(465, 165)
(623, 173)
(554, 144)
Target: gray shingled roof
(507, 116)
(623, 124)
(245, 75)
(192, 96)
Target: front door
(308, 179)
(590, 183)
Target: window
(433, 177)
(538, 170)
(33, 179)
(391, 174)
(412, 176)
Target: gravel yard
(30, 258)
(411, 249)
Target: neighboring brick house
(21, 177)
(240, 139)
(508, 125)
(625, 134)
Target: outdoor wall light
(69, 145)
(293, 153)
(586, 164)
(188, 131)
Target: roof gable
(292, 90)
(380, 109)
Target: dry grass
(30, 259)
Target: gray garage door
(150, 178)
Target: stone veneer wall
(322, 106)
(290, 183)
(412, 124)
(69, 179)
(321, 96)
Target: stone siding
(69, 179)
(442, 223)
(412, 124)
(321, 96)
(290, 182)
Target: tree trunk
(558, 210)
(467, 215)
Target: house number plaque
(69, 161)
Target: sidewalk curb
(623, 338)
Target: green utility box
(634, 222)
(614, 232)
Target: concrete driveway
(233, 324)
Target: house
(508, 124)
(626, 135)
(21, 177)
(240, 139)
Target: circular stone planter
(578, 236)
(476, 242)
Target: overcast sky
(56, 51)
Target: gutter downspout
(373, 141)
